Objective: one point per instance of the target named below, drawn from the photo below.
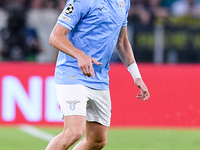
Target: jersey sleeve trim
(64, 25)
(125, 24)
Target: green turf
(143, 139)
(118, 139)
(14, 139)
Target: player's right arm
(73, 12)
(59, 40)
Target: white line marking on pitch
(36, 132)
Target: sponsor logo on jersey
(100, 8)
(72, 77)
(72, 104)
(69, 9)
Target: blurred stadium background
(165, 36)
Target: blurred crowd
(145, 12)
(25, 25)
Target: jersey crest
(122, 6)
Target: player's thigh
(75, 124)
(96, 131)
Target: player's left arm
(126, 55)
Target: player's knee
(102, 144)
(76, 136)
(99, 144)
(73, 135)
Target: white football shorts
(78, 99)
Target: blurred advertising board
(27, 95)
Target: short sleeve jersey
(94, 28)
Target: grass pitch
(12, 138)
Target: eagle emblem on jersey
(122, 6)
(69, 9)
(72, 104)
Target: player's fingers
(146, 95)
(96, 62)
(139, 96)
(85, 71)
(144, 99)
(88, 71)
(143, 95)
(91, 71)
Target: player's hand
(85, 64)
(144, 95)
